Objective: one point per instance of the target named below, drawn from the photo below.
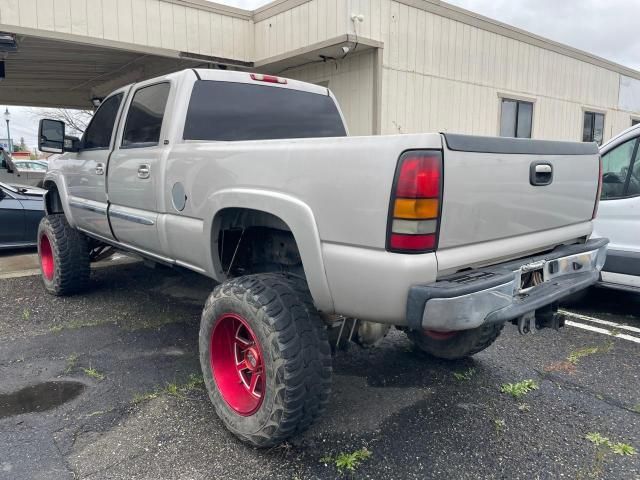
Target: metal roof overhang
(326, 51)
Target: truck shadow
(397, 363)
(616, 305)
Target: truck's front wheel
(454, 345)
(64, 256)
(265, 357)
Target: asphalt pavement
(112, 383)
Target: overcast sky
(605, 28)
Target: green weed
(71, 362)
(145, 397)
(623, 449)
(173, 389)
(348, 462)
(93, 373)
(597, 439)
(517, 390)
(575, 355)
(464, 376)
(618, 448)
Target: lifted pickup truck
(252, 180)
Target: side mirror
(51, 136)
(2, 194)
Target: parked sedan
(36, 165)
(21, 209)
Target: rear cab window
(145, 115)
(229, 111)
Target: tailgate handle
(540, 174)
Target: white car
(618, 217)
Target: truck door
(87, 170)
(618, 216)
(135, 175)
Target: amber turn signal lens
(416, 208)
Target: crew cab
(252, 180)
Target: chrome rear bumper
(494, 294)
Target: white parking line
(603, 331)
(608, 323)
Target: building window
(593, 128)
(516, 118)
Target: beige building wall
(298, 25)
(351, 81)
(447, 75)
(442, 68)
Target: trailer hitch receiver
(546, 317)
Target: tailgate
(496, 188)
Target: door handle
(99, 168)
(144, 170)
(540, 174)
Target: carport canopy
(49, 72)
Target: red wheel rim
(440, 334)
(46, 258)
(237, 364)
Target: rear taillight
(599, 191)
(416, 199)
(259, 77)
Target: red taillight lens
(412, 242)
(419, 177)
(599, 192)
(415, 203)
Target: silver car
(22, 172)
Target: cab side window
(144, 119)
(621, 171)
(100, 130)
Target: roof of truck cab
(245, 77)
(622, 137)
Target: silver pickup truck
(252, 180)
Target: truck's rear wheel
(64, 256)
(453, 345)
(265, 357)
